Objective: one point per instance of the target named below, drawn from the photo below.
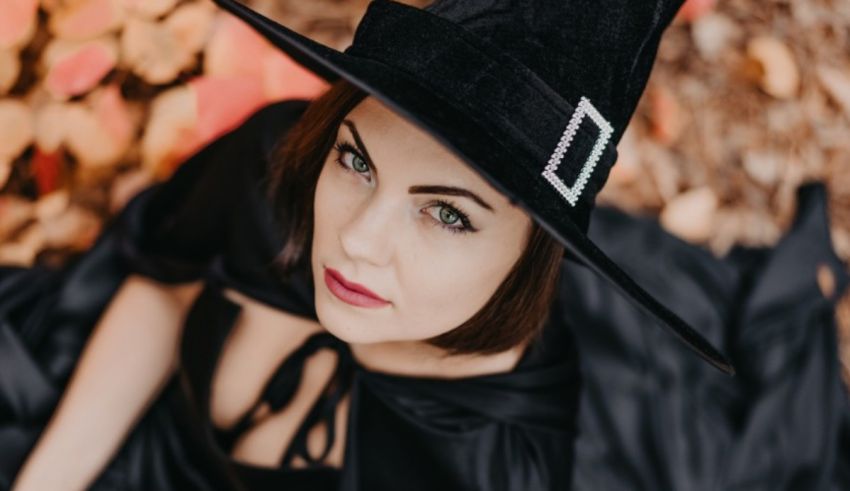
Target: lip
(350, 292)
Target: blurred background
(100, 98)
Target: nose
(368, 235)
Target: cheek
(442, 293)
(330, 204)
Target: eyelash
(343, 146)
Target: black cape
(606, 400)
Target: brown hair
(519, 307)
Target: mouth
(350, 292)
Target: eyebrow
(430, 189)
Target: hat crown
(552, 82)
(601, 49)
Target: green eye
(448, 216)
(359, 164)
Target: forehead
(389, 136)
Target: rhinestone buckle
(572, 193)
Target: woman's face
(398, 213)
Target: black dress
(635, 411)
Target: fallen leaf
(692, 10)
(285, 79)
(780, 76)
(764, 167)
(627, 167)
(114, 115)
(153, 52)
(50, 126)
(712, 33)
(47, 168)
(75, 228)
(837, 85)
(149, 9)
(76, 67)
(10, 69)
(223, 103)
(826, 280)
(234, 49)
(86, 19)
(5, 170)
(666, 115)
(191, 24)
(23, 251)
(88, 140)
(173, 116)
(51, 205)
(17, 22)
(690, 215)
(16, 126)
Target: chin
(343, 324)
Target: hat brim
(402, 93)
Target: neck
(420, 359)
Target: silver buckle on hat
(572, 193)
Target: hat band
(499, 93)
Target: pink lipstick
(350, 292)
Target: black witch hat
(532, 94)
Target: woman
(434, 283)
(257, 358)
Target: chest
(260, 345)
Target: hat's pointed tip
(723, 365)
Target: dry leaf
(5, 170)
(149, 9)
(692, 10)
(764, 167)
(712, 33)
(114, 115)
(153, 52)
(51, 205)
(285, 79)
(173, 117)
(87, 139)
(826, 280)
(14, 212)
(47, 169)
(16, 128)
(662, 169)
(780, 76)
(75, 68)
(86, 19)
(837, 84)
(23, 251)
(18, 21)
(50, 126)
(627, 167)
(690, 215)
(191, 24)
(10, 68)
(234, 49)
(666, 115)
(75, 228)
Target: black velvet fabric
(502, 104)
(603, 402)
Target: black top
(651, 415)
